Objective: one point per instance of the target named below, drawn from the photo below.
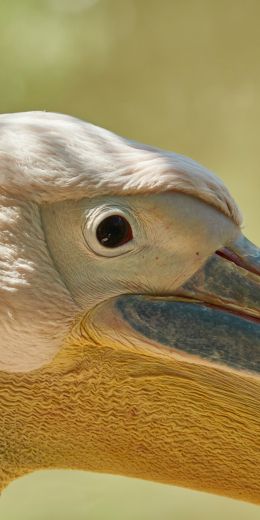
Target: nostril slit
(229, 255)
(224, 252)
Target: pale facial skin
(173, 235)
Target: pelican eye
(114, 231)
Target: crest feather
(47, 157)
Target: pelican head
(129, 312)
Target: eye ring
(110, 231)
(114, 231)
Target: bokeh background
(180, 74)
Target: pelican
(129, 312)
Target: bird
(129, 312)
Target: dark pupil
(114, 231)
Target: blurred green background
(180, 74)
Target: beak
(168, 387)
(123, 397)
(214, 316)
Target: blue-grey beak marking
(215, 315)
(194, 328)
